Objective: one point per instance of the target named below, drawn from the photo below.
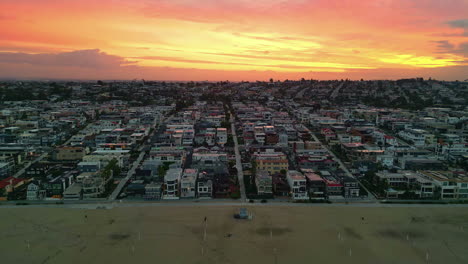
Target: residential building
(32, 192)
(153, 191)
(69, 153)
(334, 186)
(188, 183)
(350, 186)
(74, 192)
(297, 183)
(171, 154)
(172, 183)
(416, 136)
(453, 186)
(264, 182)
(221, 136)
(89, 166)
(5, 168)
(204, 186)
(272, 162)
(316, 185)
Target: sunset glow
(236, 40)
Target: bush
(235, 195)
(263, 201)
(251, 201)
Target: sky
(233, 39)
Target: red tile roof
(5, 182)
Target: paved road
(240, 172)
(42, 156)
(135, 164)
(20, 172)
(335, 92)
(86, 127)
(111, 204)
(124, 181)
(344, 168)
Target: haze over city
(233, 40)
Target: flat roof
(73, 189)
(313, 176)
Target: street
(23, 170)
(240, 172)
(124, 181)
(370, 195)
(108, 204)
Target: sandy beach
(279, 234)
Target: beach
(276, 234)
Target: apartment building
(204, 186)
(272, 162)
(263, 181)
(188, 183)
(172, 183)
(316, 185)
(297, 183)
(453, 186)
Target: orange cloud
(323, 38)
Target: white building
(346, 138)
(32, 192)
(385, 160)
(453, 186)
(172, 183)
(446, 151)
(417, 136)
(297, 183)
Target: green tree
(254, 166)
(225, 124)
(111, 169)
(230, 141)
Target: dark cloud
(97, 65)
(460, 23)
(463, 49)
(175, 59)
(445, 46)
(82, 58)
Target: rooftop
(313, 177)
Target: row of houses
(426, 184)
